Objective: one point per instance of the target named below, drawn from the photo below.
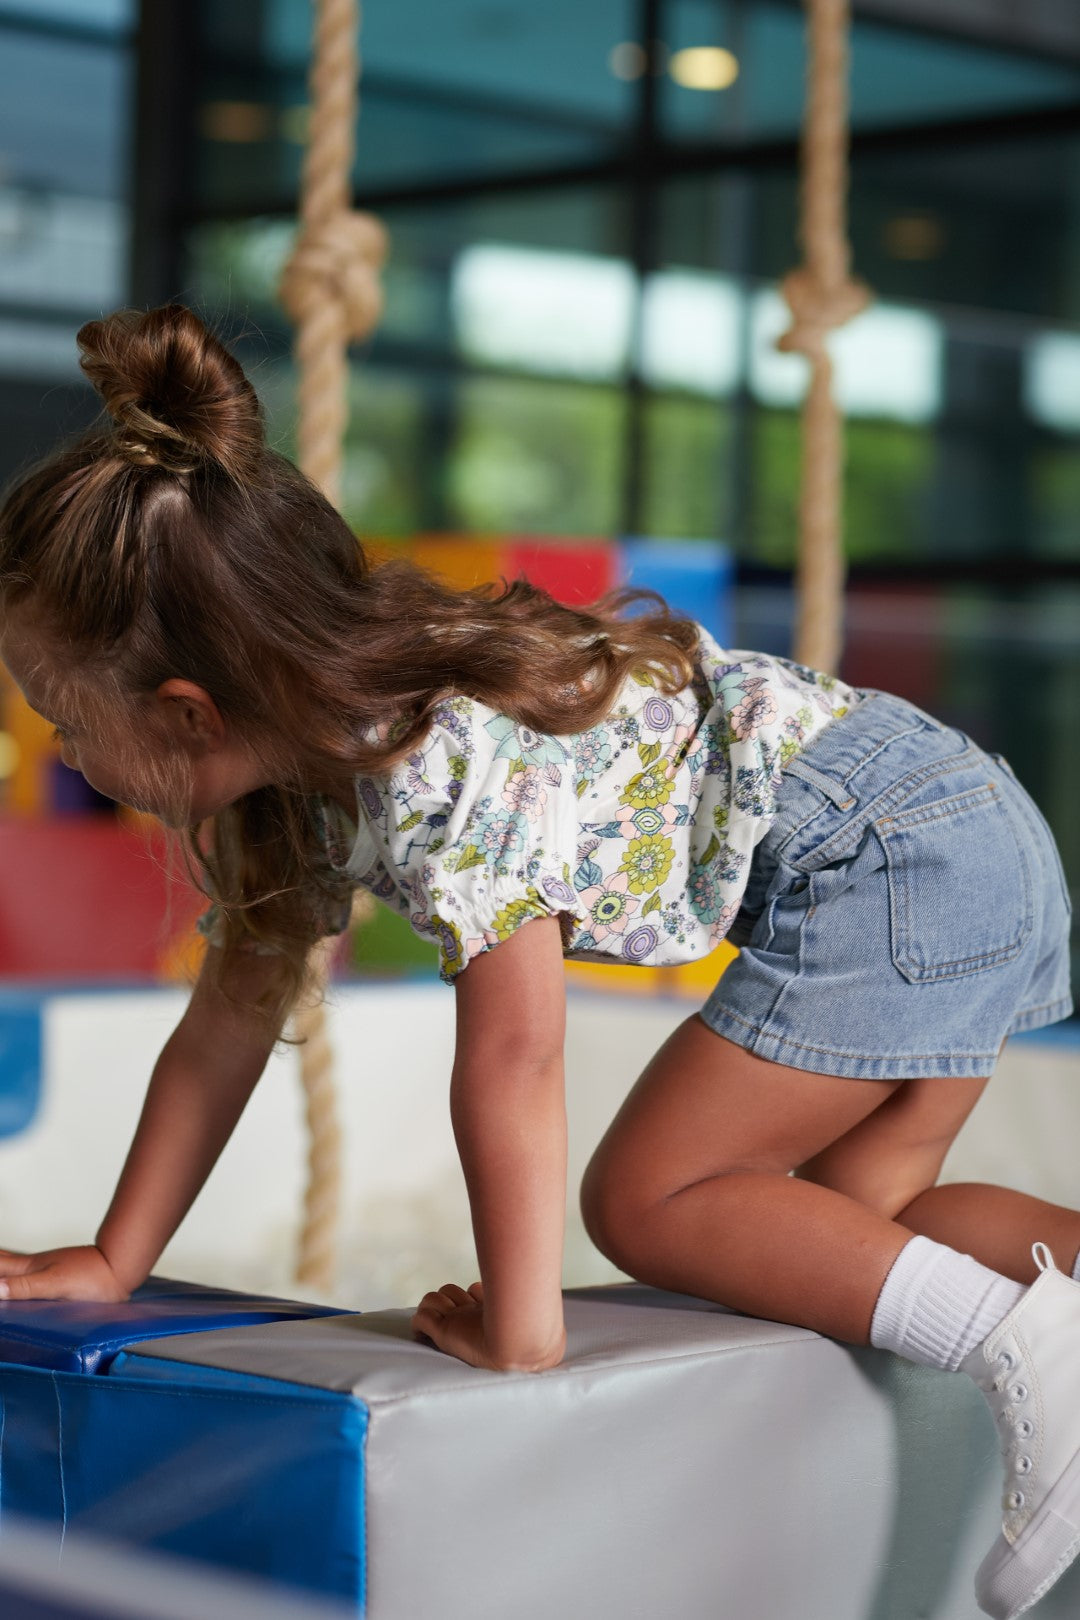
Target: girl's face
(187, 741)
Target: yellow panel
(619, 978)
(696, 979)
(693, 980)
(27, 789)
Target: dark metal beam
(671, 161)
(162, 149)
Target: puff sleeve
(479, 829)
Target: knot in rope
(339, 259)
(816, 308)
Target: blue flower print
(592, 753)
(521, 742)
(499, 835)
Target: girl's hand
(75, 1273)
(453, 1319)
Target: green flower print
(648, 788)
(647, 862)
(511, 917)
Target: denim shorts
(905, 912)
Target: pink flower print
(608, 906)
(755, 711)
(723, 922)
(478, 943)
(645, 821)
(526, 794)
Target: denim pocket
(960, 889)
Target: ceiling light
(914, 237)
(628, 60)
(239, 121)
(704, 67)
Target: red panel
(894, 640)
(572, 571)
(86, 898)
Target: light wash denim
(906, 911)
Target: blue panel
(694, 576)
(83, 1335)
(20, 1060)
(265, 1478)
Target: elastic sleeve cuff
(462, 938)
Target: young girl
(526, 782)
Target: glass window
(536, 457)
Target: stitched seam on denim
(864, 1057)
(1045, 1006)
(847, 837)
(941, 808)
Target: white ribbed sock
(1076, 1269)
(937, 1304)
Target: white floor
(406, 1220)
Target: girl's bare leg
(891, 1159)
(690, 1187)
(996, 1225)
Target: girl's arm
(201, 1082)
(508, 1109)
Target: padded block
(98, 1579)
(81, 1336)
(264, 1481)
(682, 1460)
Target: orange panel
(459, 560)
(379, 550)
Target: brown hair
(176, 542)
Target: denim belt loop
(840, 794)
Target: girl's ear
(190, 714)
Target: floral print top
(637, 833)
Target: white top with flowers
(637, 833)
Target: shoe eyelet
(1023, 1465)
(1025, 1429)
(1007, 1359)
(1015, 1499)
(1018, 1392)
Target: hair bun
(177, 395)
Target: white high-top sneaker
(1028, 1368)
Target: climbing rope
(822, 294)
(330, 289)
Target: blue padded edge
(20, 1060)
(83, 1336)
(255, 1475)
